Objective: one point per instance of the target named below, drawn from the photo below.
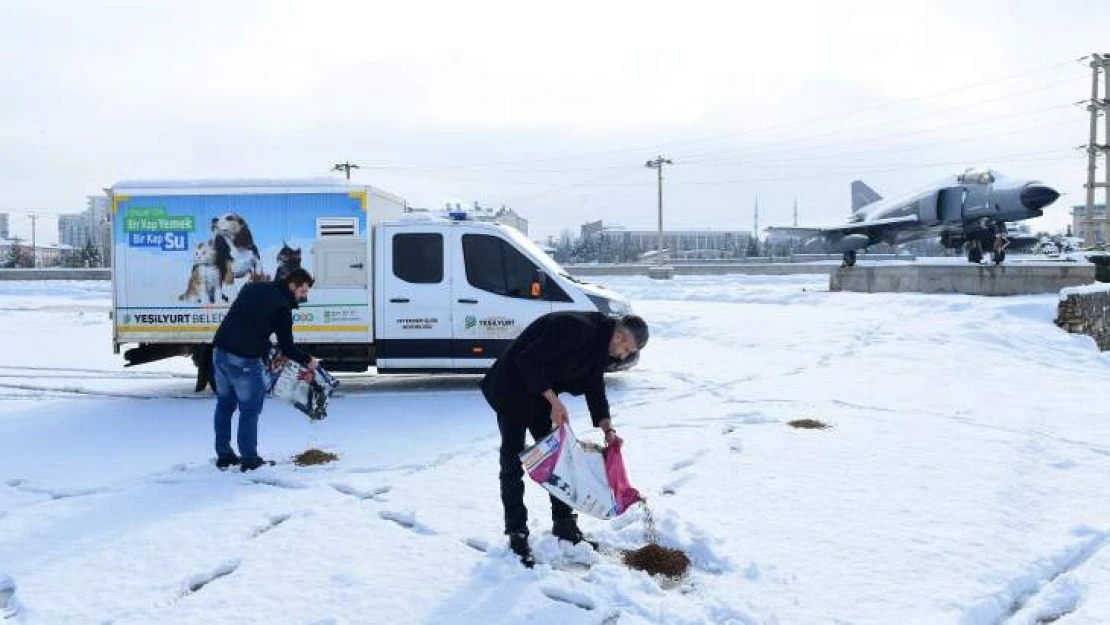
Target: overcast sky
(550, 108)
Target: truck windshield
(538, 254)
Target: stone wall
(56, 273)
(1086, 311)
(1008, 279)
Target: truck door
(339, 255)
(493, 296)
(414, 293)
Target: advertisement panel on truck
(182, 258)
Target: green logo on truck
(155, 219)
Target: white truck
(401, 291)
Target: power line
(844, 114)
(809, 157)
(784, 145)
(856, 171)
(781, 146)
(897, 120)
(598, 181)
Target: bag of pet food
(587, 477)
(289, 381)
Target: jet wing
(794, 231)
(844, 229)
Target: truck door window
(495, 266)
(418, 257)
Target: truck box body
(183, 251)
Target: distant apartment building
(503, 215)
(98, 212)
(73, 230)
(693, 243)
(591, 229)
(4, 233)
(1093, 231)
(477, 212)
(510, 218)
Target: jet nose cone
(1037, 196)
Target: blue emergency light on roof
(457, 215)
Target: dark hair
(298, 277)
(637, 327)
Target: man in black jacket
(243, 339)
(558, 352)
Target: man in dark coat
(558, 352)
(243, 339)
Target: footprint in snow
(477, 544)
(689, 462)
(200, 580)
(274, 521)
(672, 487)
(577, 599)
(9, 605)
(277, 482)
(408, 521)
(374, 493)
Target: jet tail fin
(862, 195)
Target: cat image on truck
(398, 290)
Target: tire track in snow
(1001, 607)
(80, 392)
(105, 373)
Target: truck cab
(453, 293)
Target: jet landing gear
(997, 252)
(849, 259)
(975, 251)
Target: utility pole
(1105, 59)
(795, 211)
(34, 249)
(345, 167)
(755, 231)
(659, 271)
(1099, 63)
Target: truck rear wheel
(202, 358)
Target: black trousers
(537, 421)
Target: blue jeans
(239, 383)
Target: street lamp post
(659, 270)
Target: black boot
(250, 464)
(518, 542)
(567, 529)
(223, 462)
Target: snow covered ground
(963, 479)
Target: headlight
(610, 307)
(622, 365)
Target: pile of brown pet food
(807, 424)
(654, 558)
(314, 456)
